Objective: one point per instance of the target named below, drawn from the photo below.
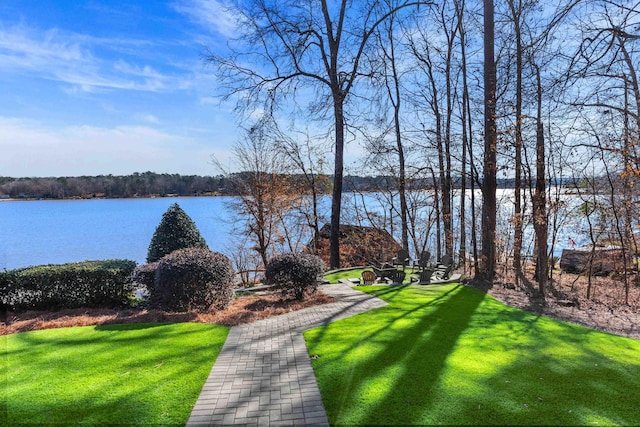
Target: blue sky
(93, 87)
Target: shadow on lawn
(131, 374)
(463, 358)
(434, 336)
(555, 373)
(433, 332)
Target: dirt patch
(607, 309)
(244, 309)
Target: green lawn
(452, 355)
(118, 374)
(357, 273)
(344, 274)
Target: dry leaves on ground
(244, 309)
(605, 310)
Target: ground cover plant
(454, 355)
(131, 374)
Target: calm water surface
(54, 232)
(59, 231)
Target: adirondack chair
(425, 276)
(423, 261)
(368, 277)
(444, 268)
(401, 259)
(397, 277)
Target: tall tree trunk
(402, 184)
(540, 221)
(488, 260)
(447, 184)
(396, 102)
(336, 197)
(462, 255)
(436, 207)
(517, 216)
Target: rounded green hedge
(295, 273)
(192, 279)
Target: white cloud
(30, 148)
(214, 15)
(150, 118)
(70, 58)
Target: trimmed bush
(175, 231)
(74, 285)
(193, 279)
(144, 275)
(295, 273)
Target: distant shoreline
(150, 196)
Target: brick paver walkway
(263, 375)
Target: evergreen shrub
(175, 231)
(295, 273)
(82, 284)
(192, 279)
(144, 275)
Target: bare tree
(264, 193)
(604, 73)
(489, 184)
(387, 45)
(322, 44)
(517, 12)
(307, 159)
(540, 219)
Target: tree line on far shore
(150, 184)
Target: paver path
(263, 375)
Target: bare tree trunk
(488, 260)
(436, 203)
(336, 197)
(517, 217)
(462, 255)
(394, 96)
(540, 221)
(446, 173)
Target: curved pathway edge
(263, 374)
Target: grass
(453, 355)
(109, 374)
(333, 278)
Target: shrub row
(83, 284)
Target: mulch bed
(566, 300)
(244, 309)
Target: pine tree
(175, 231)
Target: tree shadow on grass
(409, 351)
(464, 358)
(150, 374)
(555, 373)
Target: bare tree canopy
(321, 46)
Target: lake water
(59, 231)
